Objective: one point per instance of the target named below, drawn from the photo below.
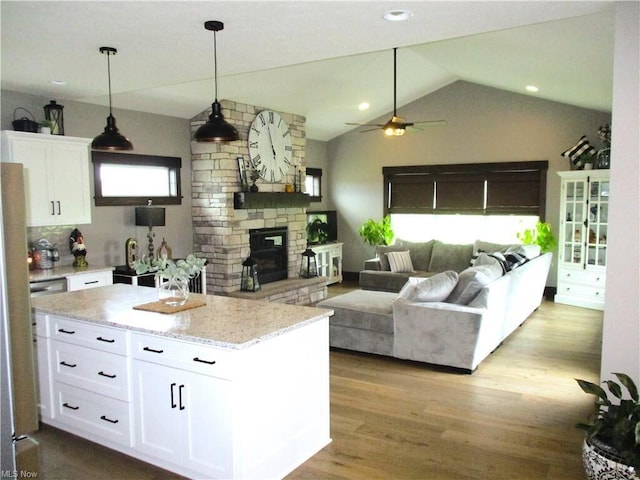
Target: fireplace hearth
(269, 251)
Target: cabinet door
(70, 171)
(598, 214)
(207, 407)
(573, 233)
(38, 183)
(158, 431)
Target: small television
(322, 227)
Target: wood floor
(512, 419)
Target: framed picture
(243, 174)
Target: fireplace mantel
(245, 200)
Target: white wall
(484, 125)
(621, 335)
(150, 134)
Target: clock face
(270, 146)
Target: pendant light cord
(215, 66)
(109, 75)
(394, 81)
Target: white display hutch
(582, 251)
(329, 261)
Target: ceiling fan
(397, 125)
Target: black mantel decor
(246, 200)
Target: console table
(329, 261)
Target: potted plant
(46, 127)
(611, 448)
(175, 291)
(317, 231)
(540, 235)
(377, 233)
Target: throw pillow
(431, 289)
(381, 253)
(400, 262)
(527, 251)
(446, 256)
(470, 282)
(582, 147)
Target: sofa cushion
(381, 253)
(527, 251)
(446, 256)
(420, 253)
(362, 309)
(432, 289)
(490, 247)
(471, 281)
(387, 281)
(400, 261)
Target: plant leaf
(593, 389)
(629, 384)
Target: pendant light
(217, 129)
(111, 138)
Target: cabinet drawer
(89, 280)
(90, 335)
(592, 278)
(578, 289)
(95, 415)
(100, 372)
(187, 356)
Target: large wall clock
(270, 146)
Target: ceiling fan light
(217, 129)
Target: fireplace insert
(269, 250)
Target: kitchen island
(231, 389)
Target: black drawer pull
(68, 364)
(69, 332)
(147, 349)
(208, 362)
(108, 419)
(91, 282)
(66, 405)
(173, 402)
(180, 396)
(106, 375)
(105, 340)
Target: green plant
(47, 123)
(540, 235)
(377, 233)
(317, 231)
(615, 424)
(181, 270)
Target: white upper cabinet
(56, 172)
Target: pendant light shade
(111, 138)
(217, 129)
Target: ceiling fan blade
(431, 123)
(377, 128)
(365, 124)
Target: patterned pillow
(581, 148)
(400, 262)
(381, 253)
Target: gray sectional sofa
(459, 329)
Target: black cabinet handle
(173, 402)
(208, 362)
(180, 396)
(68, 332)
(147, 349)
(108, 419)
(68, 364)
(59, 210)
(105, 339)
(53, 208)
(106, 375)
(66, 405)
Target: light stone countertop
(56, 273)
(225, 322)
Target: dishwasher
(48, 287)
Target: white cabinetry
(582, 251)
(329, 261)
(56, 172)
(82, 281)
(183, 418)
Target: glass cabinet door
(575, 201)
(598, 211)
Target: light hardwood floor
(512, 419)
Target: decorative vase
(80, 261)
(253, 187)
(601, 463)
(173, 292)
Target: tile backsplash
(56, 235)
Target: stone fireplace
(268, 248)
(222, 233)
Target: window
(313, 184)
(511, 188)
(128, 179)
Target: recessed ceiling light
(363, 106)
(532, 88)
(58, 82)
(397, 15)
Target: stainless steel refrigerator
(20, 453)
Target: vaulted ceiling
(319, 59)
